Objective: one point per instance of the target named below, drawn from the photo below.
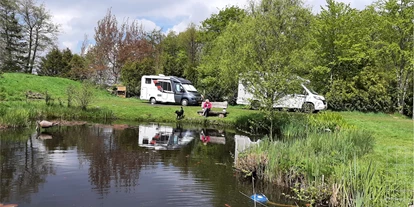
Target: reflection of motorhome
(163, 137)
(169, 89)
(305, 99)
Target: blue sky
(79, 17)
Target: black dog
(180, 113)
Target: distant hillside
(13, 86)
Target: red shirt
(207, 105)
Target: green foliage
(11, 37)
(48, 99)
(174, 56)
(132, 73)
(78, 68)
(56, 63)
(70, 92)
(85, 94)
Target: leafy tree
(396, 46)
(11, 37)
(192, 47)
(39, 29)
(262, 50)
(55, 63)
(78, 68)
(85, 94)
(132, 73)
(217, 23)
(117, 44)
(174, 56)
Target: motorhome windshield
(189, 88)
(311, 90)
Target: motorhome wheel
(153, 101)
(308, 107)
(184, 102)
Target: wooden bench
(221, 105)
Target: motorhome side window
(166, 86)
(147, 80)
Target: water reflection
(159, 137)
(102, 165)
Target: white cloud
(79, 17)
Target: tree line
(359, 59)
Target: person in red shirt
(206, 107)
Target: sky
(78, 18)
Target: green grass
(14, 86)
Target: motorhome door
(179, 91)
(167, 94)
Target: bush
(85, 95)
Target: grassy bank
(14, 86)
(359, 160)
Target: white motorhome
(305, 99)
(169, 89)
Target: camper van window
(189, 87)
(147, 80)
(166, 86)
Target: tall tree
(212, 28)
(191, 43)
(397, 45)
(11, 37)
(117, 44)
(39, 29)
(174, 57)
(78, 68)
(56, 63)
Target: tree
(173, 57)
(11, 37)
(78, 68)
(117, 45)
(214, 26)
(209, 80)
(263, 49)
(40, 30)
(56, 63)
(132, 73)
(397, 45)
(192, 47)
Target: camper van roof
(182, 80)
(179, 79)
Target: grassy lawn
(394, 147)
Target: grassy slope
(16, 85)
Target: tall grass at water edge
(21, 114)
(318, 157)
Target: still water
(143, 165)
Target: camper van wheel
(153, 101)
(184, 102)
(308, 108)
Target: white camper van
(306, 99)
(169, 89)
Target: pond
(119, 165)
